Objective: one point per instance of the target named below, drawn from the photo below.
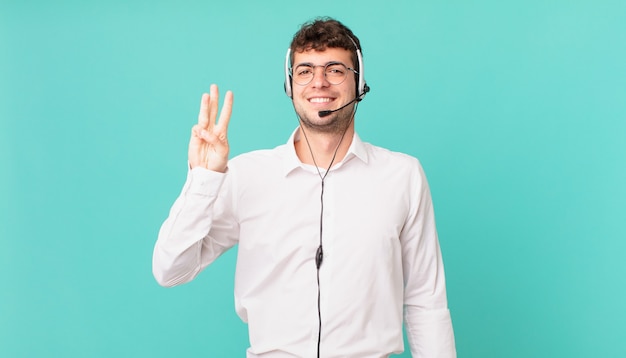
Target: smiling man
(336, 237)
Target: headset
(362, 87)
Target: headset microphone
(356, 99)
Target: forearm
(426, 314)
(188, 240)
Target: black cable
(319, 257)
(319, 254)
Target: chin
(333, 123)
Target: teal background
(517, 110)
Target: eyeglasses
(334, 72)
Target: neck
(323, 149)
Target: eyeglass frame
(325, 66)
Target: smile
(320, 100)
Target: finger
(197, 131)
(213, 105)
(226, 112)
(203, 116)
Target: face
(319, 94)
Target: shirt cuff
(430, 333)
(202, 181)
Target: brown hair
(323, 33)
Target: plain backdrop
(516, 109)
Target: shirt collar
(291, 161)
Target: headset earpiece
(362, 87)
(288, 74)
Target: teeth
(319, 100)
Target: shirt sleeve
(199, 228)
(426, 315)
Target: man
(336, 237)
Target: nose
(319, 78)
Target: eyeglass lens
(334, 72)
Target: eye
(336, 70)
(303, 71)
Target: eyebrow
(309, 64)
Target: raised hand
(208, 146)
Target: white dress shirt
(381, 253)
